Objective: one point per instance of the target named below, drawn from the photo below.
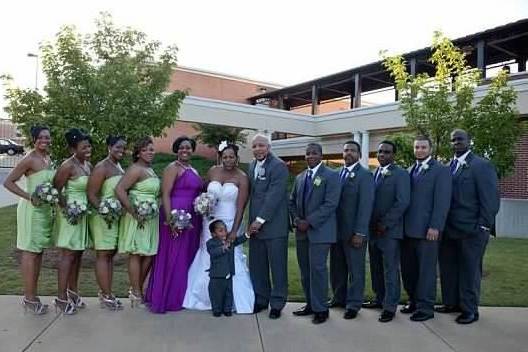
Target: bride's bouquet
(45, 193)
(110, 210)
(204, 204)
(180, 220)
(145, 210)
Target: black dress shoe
(350, 314)
(274, 313)
(335, 304)
(447, 309)
(320, 317)
(228, 314)
(421, 316)
(386, 316)
(408, 309)
(304, 311)
(257, 308)
(217, 314)
(372, 305)
(467, 318)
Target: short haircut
(354, 143)
(460, 130)
(386, 141)
(214, 225)
(112, 140)
(424, 138)
(263, 136)
(180, 140)
(316, 146)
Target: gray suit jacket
(355, 204)
(269, 197)
(320, 207)
(475, 200)
(393, 193)
(430, 200)
(222, 260)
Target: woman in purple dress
(180, 186)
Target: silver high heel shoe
(110, 302)
(136, 301)
(76, 299)
(35, 307)
(65, 307)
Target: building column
(365, 142)
(521, 61)
(315, 99)
(357, 136)
(481, 57)
(357, 91)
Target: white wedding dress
(197, 294)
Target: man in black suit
(313, 204)
(347, 255)
(424, 222)
(386, 227)
(474, 205)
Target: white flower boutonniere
(317, 181)
(262, 172)
(352, 175)
(424, 168)
(385, 172)
(464, 164)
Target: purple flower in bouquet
(74, 211)
(180, 220)
(145, 210)
(204, 204)
(110, 209)
(45, 193)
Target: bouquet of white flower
(74, 211)
(145, 210)
(179, 221)
(45, 193)
(110, 210)
(204, 204)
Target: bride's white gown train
(197, 295)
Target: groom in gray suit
(474, 205)
(424, 222)
(313, 204)
(391, 201)
(347, 255)
(268, 227)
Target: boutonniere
(464, 164)
(317, 181)
(385, 172)
(425, 167)
(261, 173)
(352, 175)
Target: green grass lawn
(505, 281)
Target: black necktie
(416, 170)
(453, 167)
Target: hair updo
(35, 131)
(139, 145)
(74, 136)
(112, 140)
(180, 140)
(227, 146)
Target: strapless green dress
(104, 238)
(35, 224)
(132, 239)
(73, 237)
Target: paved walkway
(6, 197)
(130, 330)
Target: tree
(435, 105)
(404, 145)
(213, 135)
(112, 81)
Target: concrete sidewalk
(130, 330)
(7, 198)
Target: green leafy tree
(435, 105)
(404, 145)
(212, 135)
(112, 81)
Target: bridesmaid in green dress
(71, 180)
(101, 185)
(34, 221)
(139, 242)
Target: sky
(278, 41)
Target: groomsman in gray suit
(391, 200)
(313, 204)
(347, 255)
(424, 222)
(474, 205)
(269, 227)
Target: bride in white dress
(230, 186)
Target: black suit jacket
(222, 260)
